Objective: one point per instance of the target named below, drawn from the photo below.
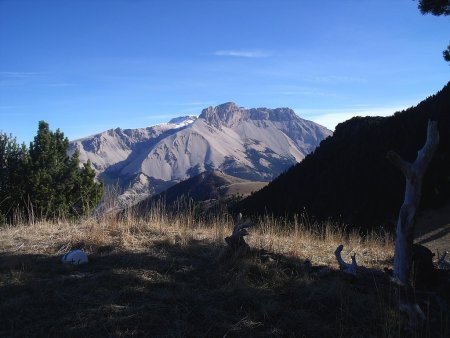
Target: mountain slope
(207, 186)
(255, 144)
(348, 177)
(116, 145)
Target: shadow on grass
(437, 235)
(189, 290)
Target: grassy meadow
(166, 275)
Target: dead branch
(236, 241)
(442, 262)
(396, 160)
(346, 267)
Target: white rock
(75, 257)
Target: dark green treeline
(348, 177)
(43, 181)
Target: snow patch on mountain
(183, 121)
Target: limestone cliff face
(256, 144)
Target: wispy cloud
(62, 84)
(307, 92)
(11, 114)
(19, 78)
(13, 106)
(191, 103)
(244, 53)
(20, 75)
(335, 79)
(42, 79)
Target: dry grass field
(171, 276)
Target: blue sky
(86, 66)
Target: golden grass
(167, 275)
(301, 238)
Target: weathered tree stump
(236, 242)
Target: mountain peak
(230, 113)
(228, 106)
(256, 144)
(223, 114)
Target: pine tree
(43, 179)
(13, 159)
(48, 159)
(437, 7)
(91, 192)
(57, 185)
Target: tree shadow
(435, 236)
(186, 289)
(429, 221)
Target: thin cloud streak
(243, 53)
(63, 84)
(308, 92)
(21, 75)
(8, 78)
(11, 114)
(14, 106)
(191, 103)
(335, 79)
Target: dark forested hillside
(348, 176)
(214, 187)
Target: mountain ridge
(254, 144)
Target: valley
(224, 169)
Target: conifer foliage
(43, 180)
(13, 159)
(437, 7)
(348, 177)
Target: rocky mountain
(255, 144)
(348, 177)
(116, 145)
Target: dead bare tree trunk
(414, 173)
